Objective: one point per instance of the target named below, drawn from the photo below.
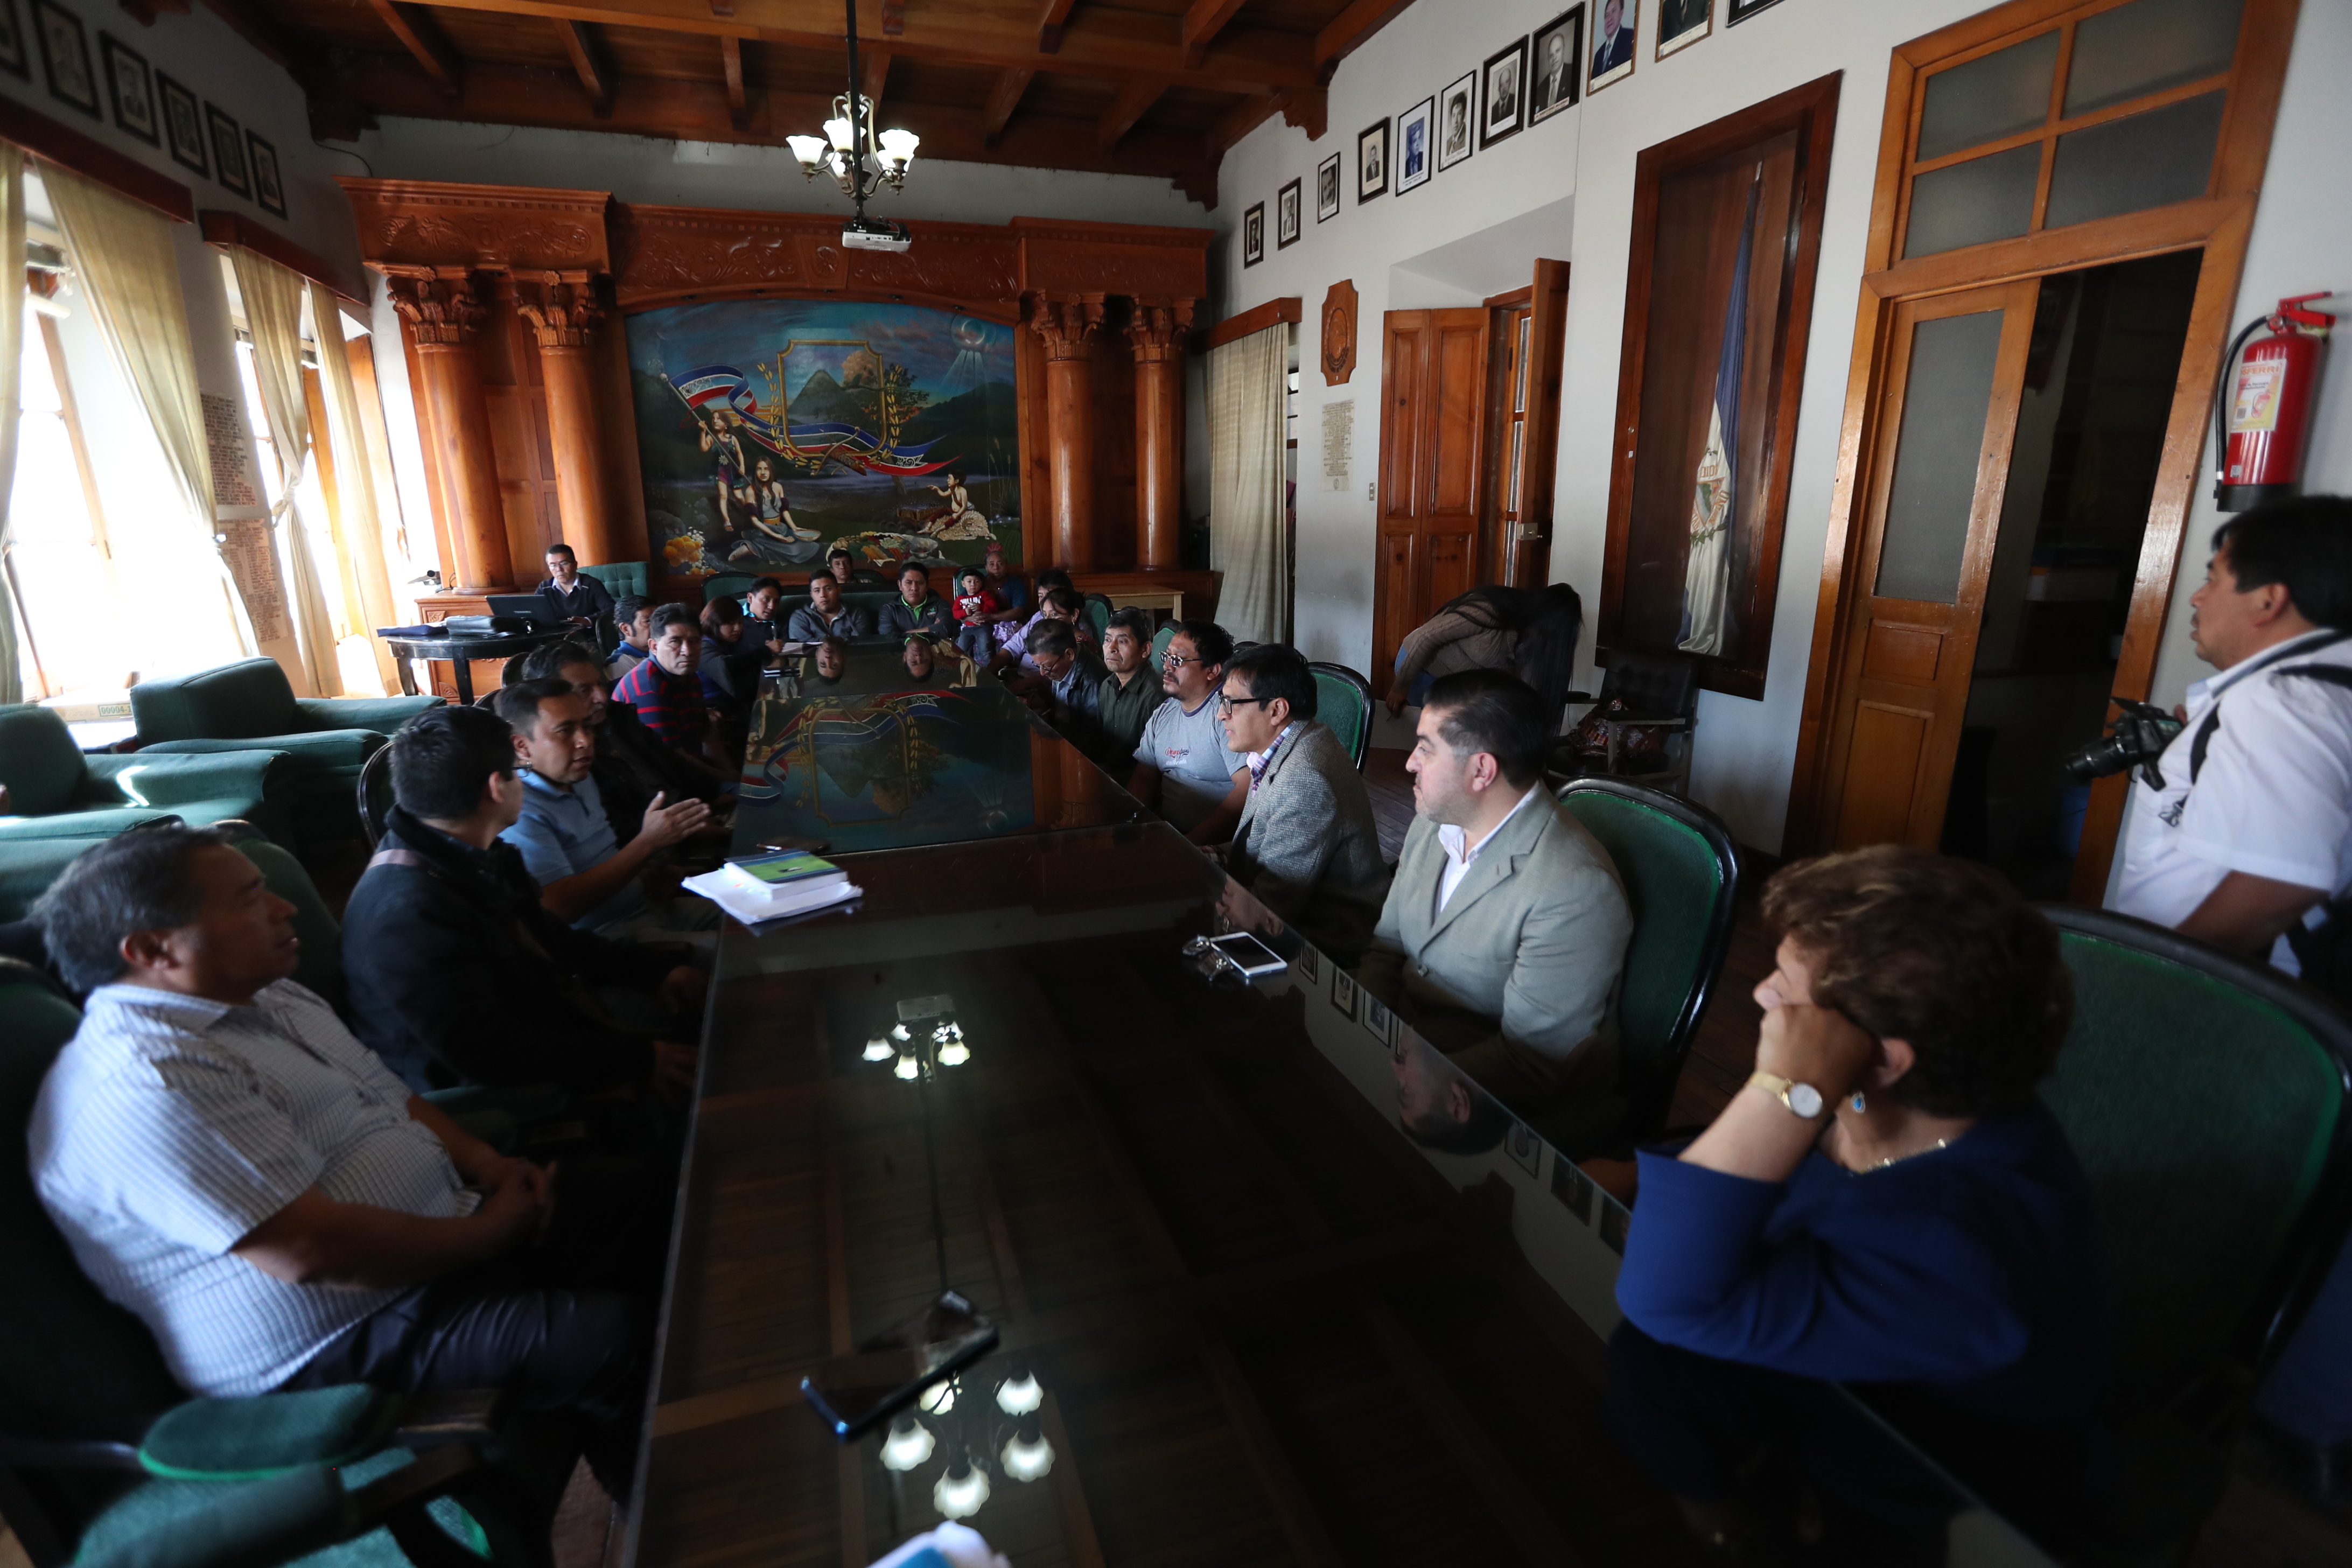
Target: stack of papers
(756, 887)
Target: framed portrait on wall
(1507, 105)
(1253, 234)
(183, 124)
(1371, 161)
(1327, 189)
(1613, 43)
(1718, 308)
(268, 188)
(1458, 116)
(1285, 215)
(1738, 11)
(1415, 158)
(1557, 54)
(133, 87)
(14, 56)
(64, 56)
(228, 150)
(1682, 23)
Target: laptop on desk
(530, 607)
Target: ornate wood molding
(430, 223)
(1158, 328)
(662, 255)
(1067, 322)
(1339, 332)
(1064, 257)
(441, 304)
(562, 307)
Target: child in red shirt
(974, 599)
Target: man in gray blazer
(1308, 847)
(1504, 931)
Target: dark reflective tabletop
(1245, 1318)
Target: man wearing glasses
(1183, 769)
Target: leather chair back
(1344, 704)
(38, 760)
(232, 702)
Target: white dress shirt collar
(1460, 855)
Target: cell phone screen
(1254, 956)
(856, 1393)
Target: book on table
(782, 875)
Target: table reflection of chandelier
(859, 161)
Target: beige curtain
(358, 527)
(273, 314)
(1248, 388)
(12, 404)
(123, 255)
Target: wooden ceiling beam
(1352, 27)
(1115, 43)
(1002, 100)
(335, 114)
(588, 64)
(1308, 109)
(421, 37)
(1203, 23)
(1050, 23)
(731, 64)
(875, 63)
(1133, 102)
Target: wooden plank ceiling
(1139, 87)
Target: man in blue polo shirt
(587, 876)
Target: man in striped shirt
(231, 1165)
(668, 689)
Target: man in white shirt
(1183, 769)
(1506, 928)
(2248, 841)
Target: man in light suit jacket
(1505, 930)
(1308, 847)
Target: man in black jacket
(459, 974)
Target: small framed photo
(1507, 108)
(1415, 158)
(15, 54)
(1307, 965)
(1457, 118)
(1556, 51)
(1327, 189)
(1371, 162)
(133, 87)
(1615, 1220)
(1343, 992)
(1573, 1188)
(1527, 1149)
(1253, 234)
(64, 56)
(268, 188)
(1378, 1021)
(228, 150)
(1682, 23)
(1613, 43)
(1285, 216)
(1737, 11)
(184, 125)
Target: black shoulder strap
(2333, 674)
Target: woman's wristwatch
(1801, 1098)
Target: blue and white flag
(1707, 573)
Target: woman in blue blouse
(1885, 1203)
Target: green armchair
(250, 703)
(104, 1460)
(58, 791)
(622, 579)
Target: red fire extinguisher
(2259, 413)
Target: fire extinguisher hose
(2221, 399)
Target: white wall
(1745, 749)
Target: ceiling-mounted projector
(875, 234)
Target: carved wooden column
(562, 312)
(443, 312)
(1157, 331)
(1067, 323)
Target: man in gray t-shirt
(1182, 768)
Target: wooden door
(1949, 399)
(1434, 374)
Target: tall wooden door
(1433, 437)
(1949, 394)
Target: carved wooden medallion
(1339, 332)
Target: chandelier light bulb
(940, 1398)
(961, 1490)
(908, 1445)
(898, 147)
(908, 1068)
(954, 1054)
(810, 151)
(1019, 1394)
(878, 1049)
(899, 1032)
(1027, 1456)
(843, 137)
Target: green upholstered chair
(105, 1460)
(1343, 702)
(250, 703)
(373, 796)
(1160, 641)
(725, 584)
(622, 579)
(27, 869)
(1681, 873)
(57, 790)
(1099, 613)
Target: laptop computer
(533, 606)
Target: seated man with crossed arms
(1506, 928)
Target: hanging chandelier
(859, 161)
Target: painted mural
(771, 430)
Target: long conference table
(1244, 1319)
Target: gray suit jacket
(1522, 965)
(1309, 848)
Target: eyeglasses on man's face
(1227, 704)
(1175, 660)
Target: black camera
(2136, 738)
